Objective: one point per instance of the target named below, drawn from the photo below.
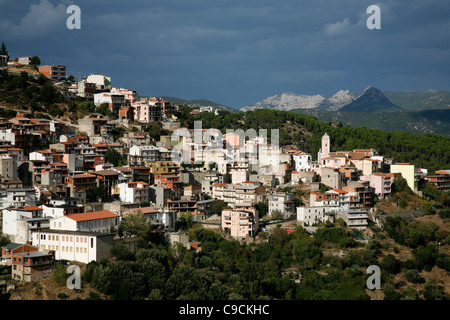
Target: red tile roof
(105, 214)
(32, 208)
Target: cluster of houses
(60, 199)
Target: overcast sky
(238, 52)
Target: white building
(355, 219)
(311, 215)
(25, 61)
(113, 100)
(282, 202)
(41, 155)
(12, 216)
(101, 81)
(301, 160)
(133, 192)
(98, 221)
(140, 154)
(82, 247)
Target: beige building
(241, 224)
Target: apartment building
(113, 100)
(240, 223)
(138, 155)
(55, 72)
(380, 182)
(441, 179)
(301, 160)
(11, 221)
(409, 173)
(134, 192)
(27, 262)
(102, 82)
(310, 216)
(129, 95)
(147, 111)
(283, 202)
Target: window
(92, 242)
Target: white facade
(99, 221)
(302, 162)
(11, 216)
(281, 202)
(312, 215)
(133, 192)
(140, 154)
(83, 247)
(41, 156)
(101, 81)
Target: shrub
(60, 274)
(62, 296)
(413, 276)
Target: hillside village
(67, 188)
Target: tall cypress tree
(3, 50)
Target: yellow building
(408, 172)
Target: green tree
(3, 50)
(114, 157)
(122, 252)
(218, 206)
(35, 61)
(390, 264)
(136, 225)
(103, 109)
(262, 208)
(59, 274)
(212, 166)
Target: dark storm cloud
(238, 52)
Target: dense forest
(430, 151)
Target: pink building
(130, 95)
(239, 176)
(241, 224)
(147, 110)
(380, 182)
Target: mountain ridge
(407, 100)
